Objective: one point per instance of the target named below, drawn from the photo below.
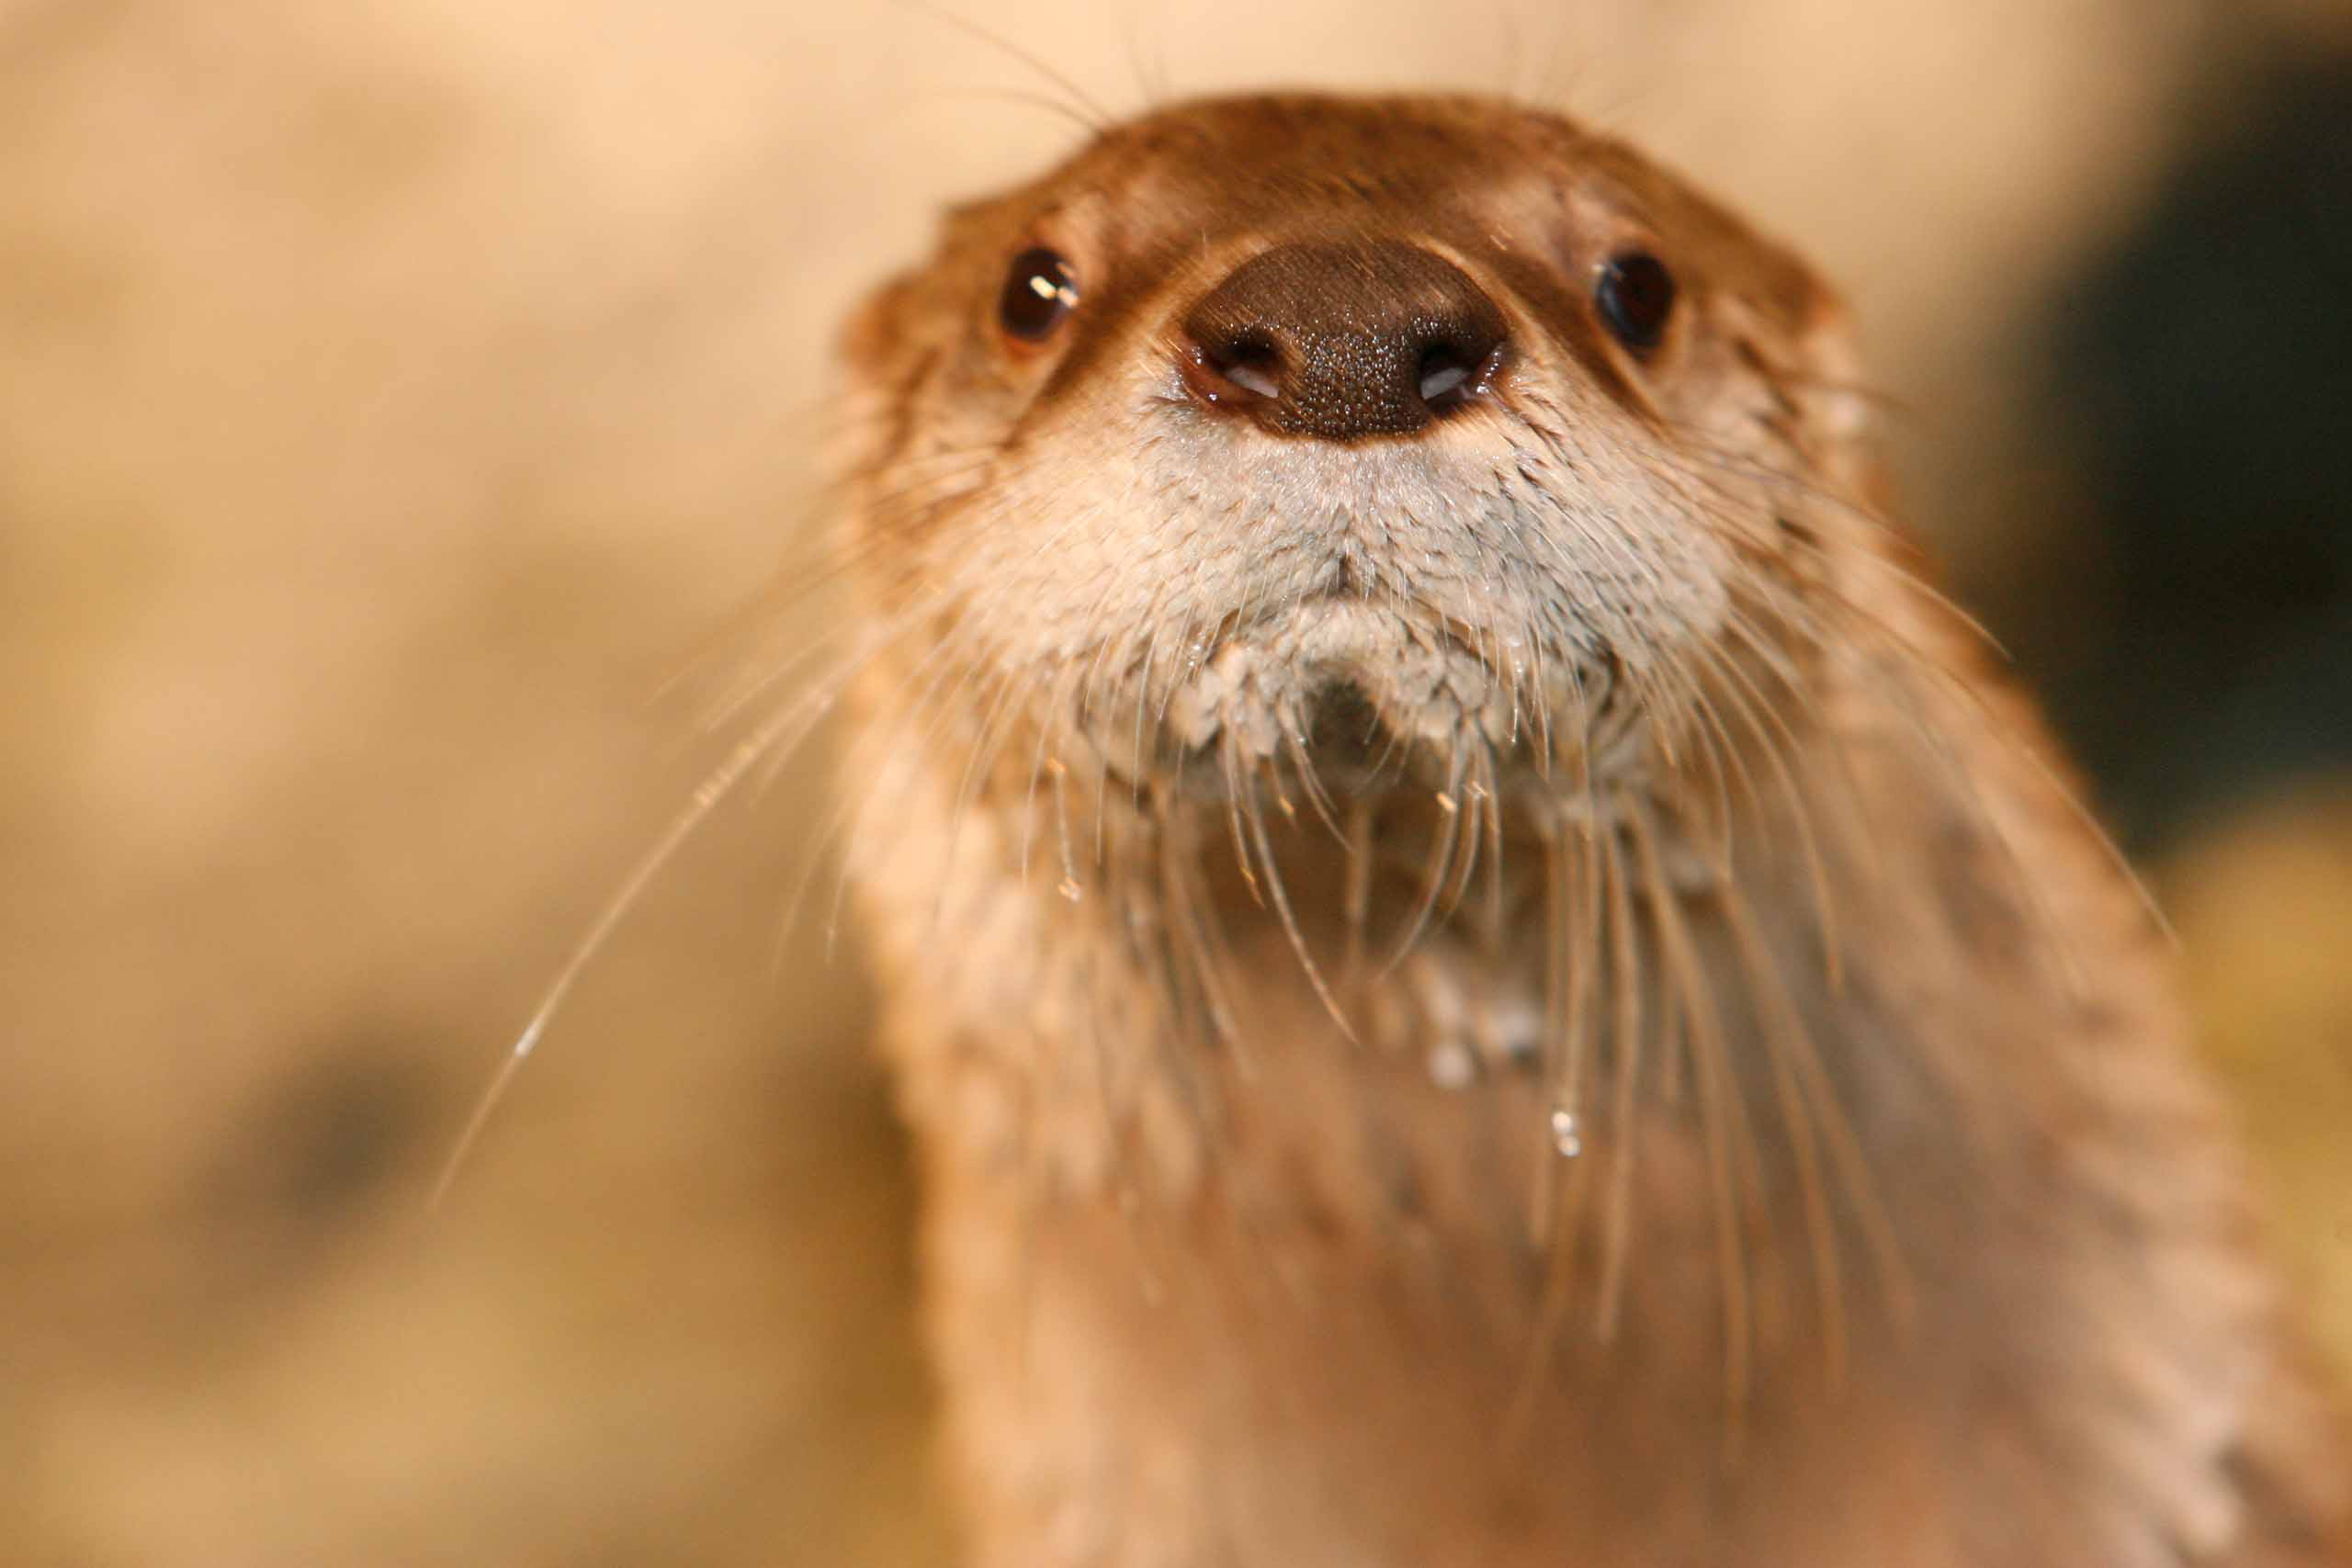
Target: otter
(1484, 972)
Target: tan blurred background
(392, 392)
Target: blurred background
(393, 393)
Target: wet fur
(1520, 997)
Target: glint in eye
(1040, 292)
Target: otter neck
(1613, 1151)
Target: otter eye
(1040, 292)
(1635, 294)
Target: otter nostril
(1241, 373)
(1252, 365)
(1454, 374)
(1243, 370)
(1445, 377)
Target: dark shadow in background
(2201, 374)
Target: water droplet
(1447, 804)
(1567, 1133)
(1068, 888)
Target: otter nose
(1342, 341)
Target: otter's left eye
(1635, 294)
(1040, 292)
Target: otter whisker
(756, 680)
(2006, 737)
(1058, 771)
(1037, 761)
(1775, 740)
(929, 714)
(1229, 755)
(1574, 949)
(1865, 846)
(1626, 1038)
(1356, 897)
(1487, 793)
(845, 815)
(1289, 919)
(826, 564)
(1463, 811)
(1443, 841)
(1531, 689)
(1781, 1026)
(788, 726)
(1721, 1111)
(1905, 577)
(1563, 1238)
(2017, 742)
(1318, 799)
(1903, 701)
(1723, 761)
(1200, 943)
(1090, 113)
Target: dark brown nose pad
(1343, 341)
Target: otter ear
(874, 335)
(1834, 403)
(1801, 338)
(1831, 392)
(871, 346)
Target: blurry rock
(2263, 904)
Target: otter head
(1384, 438)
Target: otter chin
(1483, 970)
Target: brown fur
(1830, 1183)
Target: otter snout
(1342, 341)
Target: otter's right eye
(1040, 292)
(1635, 293)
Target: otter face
(1351, 431)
